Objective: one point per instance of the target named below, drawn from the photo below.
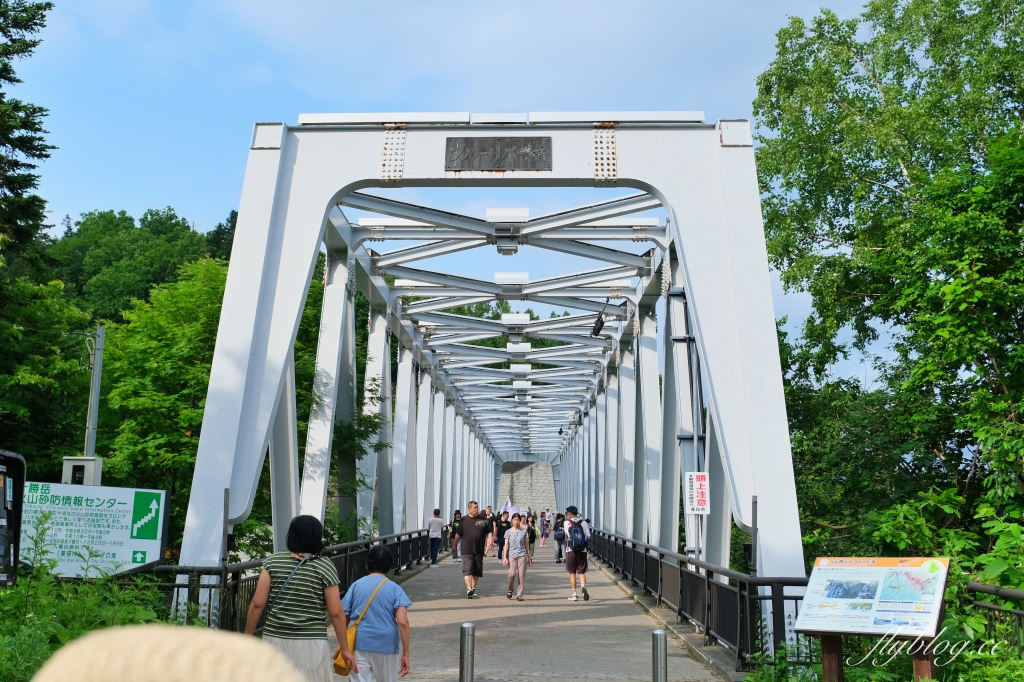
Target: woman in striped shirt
(296, 623)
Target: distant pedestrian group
(513, 539)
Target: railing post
(707, 606)
(659, 656)
(778, 618)
(467, 650)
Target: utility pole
(96, 365)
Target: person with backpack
(299, 590)
(559, 537)
(379, 610)
(577, 534)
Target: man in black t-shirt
(474, 532)
(499, 534)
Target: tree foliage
(892, 169)
(108, 261)
(21, 134)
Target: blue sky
(152, 103)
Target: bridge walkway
(546, 637)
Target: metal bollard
(467, 647)
(659, 656)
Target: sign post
(99, 528)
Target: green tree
(21, 135)
(157, 370)
(44, 379)
(220, 239)
(108, 261)
(42, 382)
(890, 161)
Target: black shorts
(576, 562)
(473, 564)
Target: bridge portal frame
(720, 311)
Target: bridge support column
(602, 447)
(611, 453)
(329, 380)
(435, 498)
(376, 382)
(592, 486)
(391, 492)
(678, 442)
(422, 481)
(647, 518)
(346, 410)
(627, 444)
(284, 460)
(448, 464)
(719, 522)
(457, 442)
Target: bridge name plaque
(497, 154)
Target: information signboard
(901, 597)
(697, 495)
(109, 529)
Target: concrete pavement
(544, 637)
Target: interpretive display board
(97, 529)
(901, 597)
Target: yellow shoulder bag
(341, 666)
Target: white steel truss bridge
(618, 426)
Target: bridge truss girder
(618, 437)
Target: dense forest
(891, 160)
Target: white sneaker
(573, 597)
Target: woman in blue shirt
(385, 625)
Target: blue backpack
(577, 539)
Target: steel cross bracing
(618, 432)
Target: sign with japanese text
(97, 529)
(901, 597)
(698, 494)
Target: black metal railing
(220, 595)
(1002, 623)
(724, 605)
(754, 615)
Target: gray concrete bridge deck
(545, 637)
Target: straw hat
(166, 653)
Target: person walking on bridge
(381, 608)
(577, 533)
(503, 527)
(560, 538)
(517, 556)
(456, 531)
(434, 527)
(301, 588)
(473, 532)
(492, 538)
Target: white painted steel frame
(623, 464)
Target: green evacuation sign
(146, 515)
(96, 530)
